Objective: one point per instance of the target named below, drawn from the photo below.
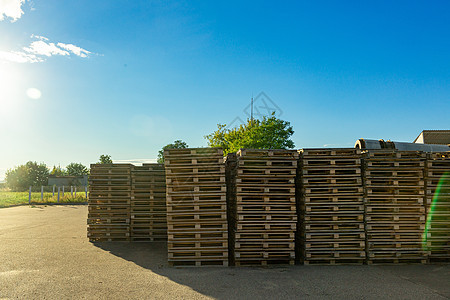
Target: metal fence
(58, 191)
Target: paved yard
(44, 253)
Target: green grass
(8, 198)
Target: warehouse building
(436, 137)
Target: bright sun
(12, 90)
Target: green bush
(29, 174)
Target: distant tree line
(36, 174)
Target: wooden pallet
(394, 154)
(330, 199)
(148, 203)
(127, 194)
(330, 181)
(197, 262)
(437, 234)
(268, 153)
(262, 206)
(193, 152)
(394, 185)
(196, 207)
(328, 254)
(263, 262)
(317, 153)
(332, 228)
(335, 261)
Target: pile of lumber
(394, 204)
(230, 176)
(263, 207)
(148, 203)
(437, 234)
(331, 207)
(196, 207)
(109, 202)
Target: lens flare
(34, 93)
(438, 216)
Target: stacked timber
(109, 202)
(394, 204)
(437, 233)
(264, 210)
(196, 207)
(148, 203)
(331, 206)
(230, 177)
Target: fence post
(29, 196)
(75, 191)
(85, 190)
(42, 193)
(58, 192)
(71, 191)
(53, 191)
(63, 191)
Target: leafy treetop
(268, 133)
(29, 174)
(105, 159)
(77, 169)
(178, 144)
(58, 171)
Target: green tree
(178, 144)
(77, 169)
(24, 176)
(268, 133)
(58, 171)
(105, 159)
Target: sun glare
(34, 93)
(8, 88)
(12, 90)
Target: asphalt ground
(45, 254)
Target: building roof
(438, 137)
(66, 176)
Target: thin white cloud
(11, 9)
(43, 48)
(37, 51)
(74, 49)
(39, 37)
(337, 145)
(19, 57)
(136, 161)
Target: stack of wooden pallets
(196, 207)
(230, 176)
(109, 202)
(264, 210)
(437, 234)
(148, 203)
(331, 207)
(394, 204)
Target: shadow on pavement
(217, 282)
(149, 255)
(289, 282)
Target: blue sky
(127, 77)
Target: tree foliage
(58, 171)
(178, 144)
(268, 133)
(77, 169)
(105, 159)
(24, 176)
